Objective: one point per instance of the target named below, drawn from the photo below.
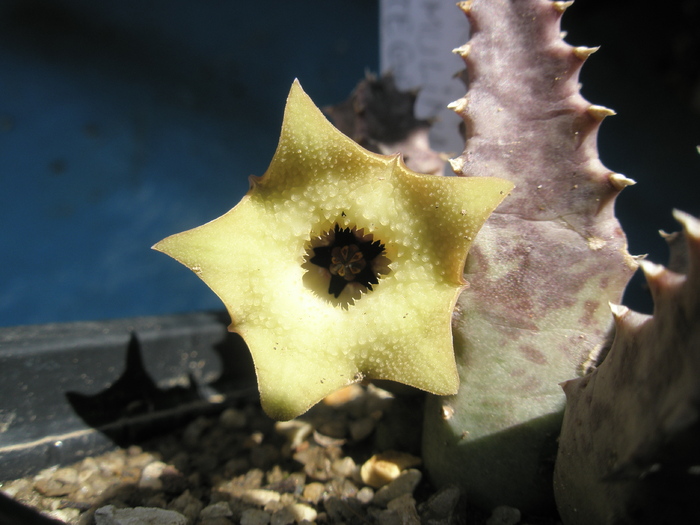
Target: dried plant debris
(541, 270)
(380, 117)
(629, 448)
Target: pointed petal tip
(159, 246)
(296, 85)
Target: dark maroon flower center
(347, 261)
(348, 257)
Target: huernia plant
(341, 264)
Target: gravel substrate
(242, 467)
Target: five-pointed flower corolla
(340, 264)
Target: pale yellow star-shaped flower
(327, 200)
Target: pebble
(342, 487)
(441, 505)
(504, 516)
(65, 515)
(233, 419)
(333, 429)
(112, 465)
(110, 515)
(17, 487)
(138, 458)
(386, 517)
(260, 497)
(264, 456)
(56, 481)
(365, 495)
(187, 505)
(405, 507)
(404, 484)
(150, 477)
(362, 428)
(193, 432)
(344, 467)
(52, 487)
(255, 517)
(218, 510)
(342, 510)
(283, 516)
(303, 512)
(215, 521)
(382, 468)
(313, 492)
(293, 484)
(344, 395)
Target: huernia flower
(340, 264)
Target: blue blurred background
(122, 122)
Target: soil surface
(239, 466)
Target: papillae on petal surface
(305, 342)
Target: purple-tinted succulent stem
(629, 443)
(541, 271)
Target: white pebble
(303, 512)
(365, 495)
(345, 467)
(150, 476)
(260, 497)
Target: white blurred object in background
(416, 42)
